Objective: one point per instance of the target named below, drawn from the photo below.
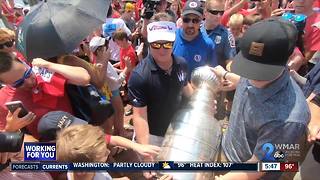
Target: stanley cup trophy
(194, 135)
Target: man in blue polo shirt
(156, 85)
(223, 39)
(269, 108)
(191, 43)
(224, 46)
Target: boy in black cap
(268, 108)
(54, 121)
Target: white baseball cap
(161, 31)
(96, 42)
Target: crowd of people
(264, 52)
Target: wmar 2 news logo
(278, 152)
(40, 151)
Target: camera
(149, 8)
(11, 141)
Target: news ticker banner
(156, 166)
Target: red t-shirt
(139, 6)
(8, 11)
(226, 15)
(48, 95)
(21, 57)
(316, 3)
(312, 33)
(19, 20)
(128, 52)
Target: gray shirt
(275, 114)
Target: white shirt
(97, 176)
(108, 28)
(113, 79)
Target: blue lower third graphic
(39, 151)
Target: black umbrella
(56, 27)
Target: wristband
(225, 75)
(122, 77)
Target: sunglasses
(215, 12)
(166, 45)
(19, 82)
(7, 44)
(187, 20)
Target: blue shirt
(277, 114)
(313, 81)
(161, 92)
(224, 41)
(198, 52)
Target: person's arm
(228, 4)
(229, 79)
(137, 95)
(143, 149)
(140, 123)
(314, 124)
(116, 65)
(236, 8)
(74, 75)
(299, 79)
(140, 51)
(128, 68)
(145, 23)
(14, 123)
(296, 60)
(97, 72)
(308, 55)
(187, 90)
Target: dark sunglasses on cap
(187, 20)
(215, 12)
(26, 75)
(7, 44)
(166, 45)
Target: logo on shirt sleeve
(217, 40)
(182, 76)
(231, 40)
(197, 58)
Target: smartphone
(14, 105)
(289, 10)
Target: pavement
(309, 169)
